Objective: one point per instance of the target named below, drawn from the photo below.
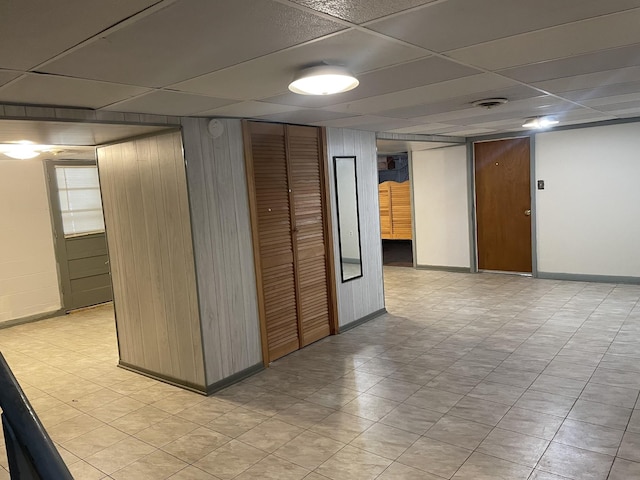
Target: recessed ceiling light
(22, 150)
(540, 122)
(323, 80)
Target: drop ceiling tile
(349, 122)
(425, 71)
(45, 29)
(6, 76)
(462, 102)
(590, 80)
(304, 116)
(40, 89)
(577, 38)
(468, 132)
(190, 38)
(459, 23)
(498, 119)
(162, 102)
(610, 59)
(516, 121)
(360, 11)
(582, 96)
(370, 123)
(425, 128)
(619, 107)
(612, 100)
(475, 84)
(386, 126)
(247, 110)
(543, 105)
(390, 147)
(358, 51)
(626, 113)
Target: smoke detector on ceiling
(489, 102)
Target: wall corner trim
(444, 268)
(581, 277)
(162, 378)
(235, 378)
(360, 321)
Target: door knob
(527, 213)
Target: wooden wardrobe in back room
(292, 238)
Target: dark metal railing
(30, 451)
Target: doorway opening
(424, 205)
(396, 222)
(59, 261)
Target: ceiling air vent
(489, 102)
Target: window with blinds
(80, 202)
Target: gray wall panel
(363, 296)
(223, 248)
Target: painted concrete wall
(441, 207)
(28, 271)
(588, 215)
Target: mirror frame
(355, 180)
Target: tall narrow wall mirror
(348, 219)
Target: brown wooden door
(285, 169)
(307, 184)
(275, 245)
(503, 205)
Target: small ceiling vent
(489, 102)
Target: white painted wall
(365, 295)
(588, 215)
(441, 207)
(28, 272)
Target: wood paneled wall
(363, 296)
(146, 209)
(223, 248)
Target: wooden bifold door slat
(285, 168)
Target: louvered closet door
(401, 211)
(384, 195)
(307, 184)
(275, 240)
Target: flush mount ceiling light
(540, 122)
(22, 150)
(323, 80)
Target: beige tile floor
(468, 377)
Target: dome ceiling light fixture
(540, 123)
(323, 80)
(21, 150)
(490, 102)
